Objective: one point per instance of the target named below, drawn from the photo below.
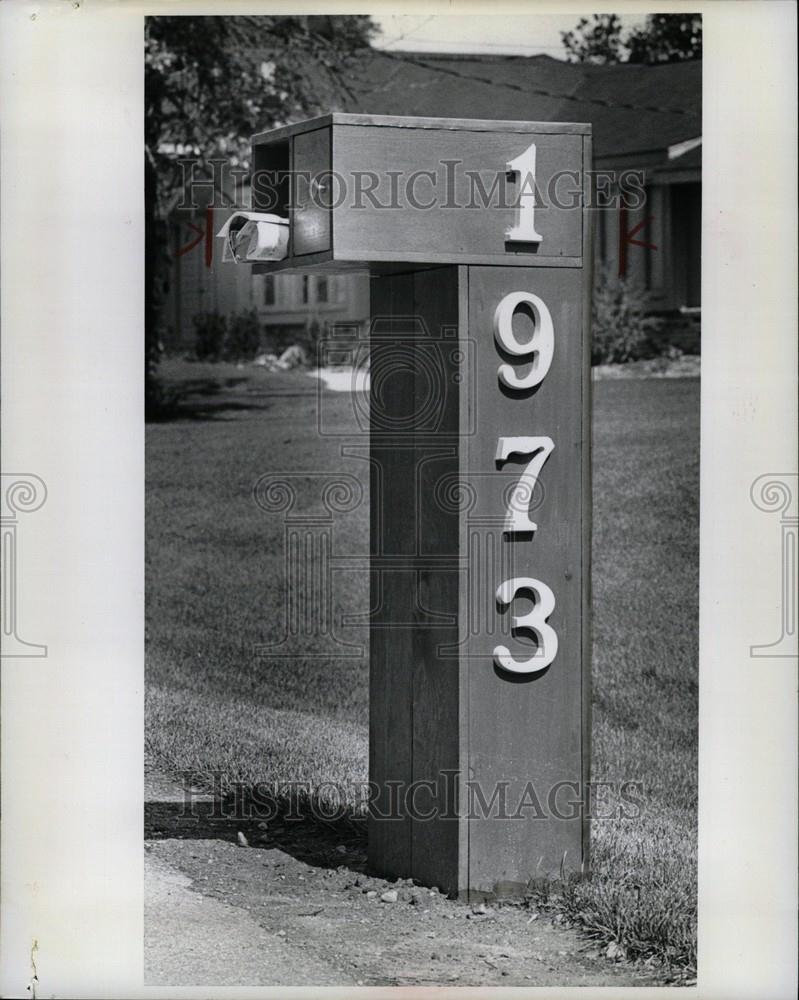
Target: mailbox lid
(311, 223)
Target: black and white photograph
(409, 495)
(424, 341)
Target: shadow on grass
(201, 399)
(333, 843)
(208, 399)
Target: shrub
(243, 338)
(620, 326)
(210, 332)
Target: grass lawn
(215, 586)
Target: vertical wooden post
(480, 474)
(487, 769)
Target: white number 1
(524, 231)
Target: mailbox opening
(271, 178)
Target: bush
(218, 338)
(243, 338)
(210, 333)
(620, 327)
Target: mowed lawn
(216, 592)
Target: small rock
(532, 917)
(243, 842)
(615, 952)
(391, 896)
(371, 894)
(341, 849)
(281, 933)
(263, 826)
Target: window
(322, 290)
(306, 289)
(269, 289)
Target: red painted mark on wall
(627, 238)
(205, 232)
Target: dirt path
(221, 914)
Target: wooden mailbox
(476, 235)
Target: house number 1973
(538, 354)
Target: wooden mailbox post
(477, 238)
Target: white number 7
(540, 448)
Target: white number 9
(534, 621)
(538, 350)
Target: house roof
(634, 109)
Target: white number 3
(534, 622)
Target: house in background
(646, 118)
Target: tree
(666, 38)
(210, 82)
(596, 41)
(663, 38)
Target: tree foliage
(210, 83)
(595, 41)
(663, 38)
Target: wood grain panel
(444, 177)
(391, 591)
(436, 707)
(529, 729)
